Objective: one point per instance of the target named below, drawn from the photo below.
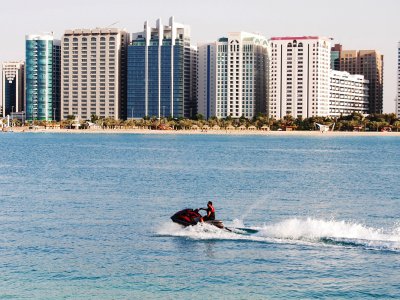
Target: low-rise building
(348, 94)
(368, 63)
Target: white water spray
(297, 231)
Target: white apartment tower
(94, 73)
(348, 94)
(299, 77)
(242, 75)
(233, 76)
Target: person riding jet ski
(210, 212)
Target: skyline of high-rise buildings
(161, 73)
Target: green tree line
(355, 121)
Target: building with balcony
(233, 76)
(94, 73)
(348, 94)
(299, 77)
(370, 64)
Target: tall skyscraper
(42, 80)
(233, 76)
(348, 94)
(13, 87)
(398, 81)
(94, 73)
(299, 77)
(162, 70)
(207, 80)
(370, 64)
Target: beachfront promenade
(236, 131)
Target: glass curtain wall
(136, 103)
(10, 93)
(39, 80)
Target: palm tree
(94, 118)
(396, 125)
(130, 123)
(109, 123)
(171, 124)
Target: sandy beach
(202, 132)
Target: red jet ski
(190, 217)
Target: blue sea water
(87, 217)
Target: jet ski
(190, 217)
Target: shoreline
(209, 132)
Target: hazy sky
(356, 24)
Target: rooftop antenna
(115, 23)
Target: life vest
(211, 209)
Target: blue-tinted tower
(162, 73)
(13, 88)
(42, 82)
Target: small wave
(295, 230)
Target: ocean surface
(88, 217)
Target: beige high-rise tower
(370, 64)
(93, 80)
